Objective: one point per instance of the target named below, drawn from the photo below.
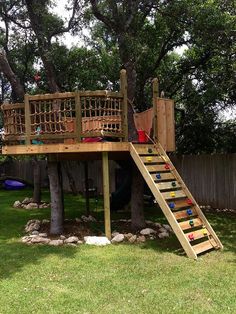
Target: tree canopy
(144, 37)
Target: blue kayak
(13, 185)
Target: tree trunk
(57, 212)
(137, 215)
(17, 88)
(37, 181)
(68, 170)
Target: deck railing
(67, 117)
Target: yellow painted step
(204, 246)
(172, 195)
(151, 159)
(185, 225)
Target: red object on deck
(142, 138)
(92, 139)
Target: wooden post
(86, 186)
(123, 89)
(78, 117)
(27, 120)
(155, 95)
(106, 194)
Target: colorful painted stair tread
(173, 183)
(191, 237)
(171, 205)
(191, 223)
(172, 194)
(158, 176)
(149, 159)
(189, 212)
(150, 150)
(189, 201)
(167, 166)
(204, 231)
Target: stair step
(157, 168)
(168, 185)
(183, 214)
(204, 246)
(197, 234)
(176, 194)
(180, 204)
(164, 176)
(151, 159)
(142, 149)
(184, 225)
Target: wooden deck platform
(71, 151)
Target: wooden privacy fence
(210, 178)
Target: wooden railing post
(123, 89)
(155, 95)
(27, 120)
(78, 117)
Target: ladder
(178, 205)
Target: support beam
(106, 194)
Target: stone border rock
(28, 203)
(35, 237)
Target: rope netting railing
(52, 118)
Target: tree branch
(101, 17)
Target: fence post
(155, 95)
(78, 117)
(123, 89)
(27, 120)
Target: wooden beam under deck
(66, 148)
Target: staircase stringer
(163, 204)
(188, 194)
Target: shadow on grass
(15, 256)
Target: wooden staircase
(181, 210)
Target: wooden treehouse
(66, 125)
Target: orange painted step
(184, 225)
(204, 246)
(183, 214)
(197, 234)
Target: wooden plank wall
(210, 178)
(166, 123)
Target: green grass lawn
(154, 277)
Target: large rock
(27, 200)
(44, 235)
(32, 225)
(98, 241)
(45, 221)
(118, 238)
(17, 204)
(35, 232)
(147, 231)
(88, 219)
(31, 206)
(157, 224)
(114, 233)
(128, 235)
(25, 239)
(56, 242)
(141, 239)
(168, 228)
(163, 235)
(133, 238)
(39, 239)
(72, 239)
